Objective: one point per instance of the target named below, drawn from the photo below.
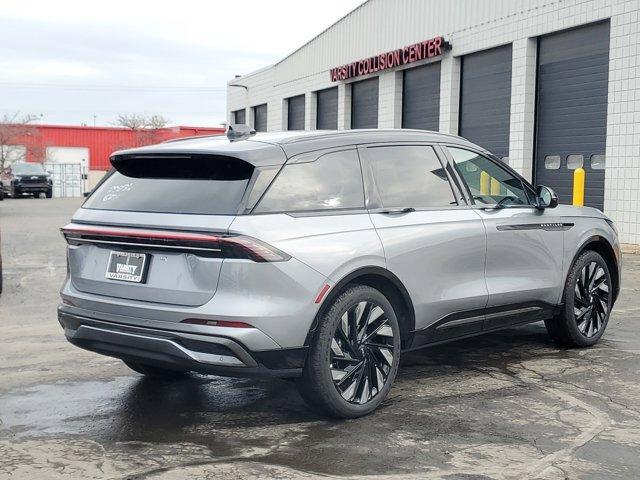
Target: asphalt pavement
(508, 405)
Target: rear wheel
(49, 193)
(354, 355)
(588, 298)
(155, 372)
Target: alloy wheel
(362, 352)
(591, 299)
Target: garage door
(421, 97)
(295, 113)
(239, 117)
(485, 99)
(364, 104)
(573, 68)
(327, 109)
(260, 118)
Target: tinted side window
(332, 181)
(489, 182)
(410, 176)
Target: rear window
(205, 185)
(333, 181)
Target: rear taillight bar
(208, 244)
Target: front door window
(489, 183)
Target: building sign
(395, 58)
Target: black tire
(586, 304)
(1, 193)
(360, 362)
(156, 372)
(49, 193)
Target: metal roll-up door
(571, 120)
(421, 97)
(239, 117)
(364, 103)
(327, 109)
(260, 118)
(295, 113)
(485, 99)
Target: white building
(548, 84)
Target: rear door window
(205, 185)
(330, 182)
(410, 177)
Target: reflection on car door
(433, 242)
(524, 244)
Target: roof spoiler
(237, 132)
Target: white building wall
(472, 26)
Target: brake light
(216, 323)
(211, 244)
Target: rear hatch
(156, 229)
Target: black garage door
(260, 118)
(364, 104)
(421, 97)
(573, 72)
(295, 113)
(239, 117)
(327, 109)
(485, 99)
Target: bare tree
(145, 127)
(156, 121)
(136, 121)
(18, 136)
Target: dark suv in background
(26, 178)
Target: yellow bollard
(578, 187)
(495, 187)
(485, 182)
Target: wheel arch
(382, 280)
(603, 247)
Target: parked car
(24, 178)
(323, 256)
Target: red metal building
(100, 142)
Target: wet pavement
(509, 405)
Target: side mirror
(547, 198)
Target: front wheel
(588, 298)
(354, 356)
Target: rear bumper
(207, 354)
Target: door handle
(398, 211)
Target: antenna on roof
(237, 132)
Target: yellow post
(495, 187)
(578, 187)
(485, 182)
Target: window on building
(489, 183)
(552, 162)
(410, 176)
(598, 162)
(331, 181)
(575, 161)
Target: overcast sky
(69, 60)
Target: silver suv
(324, 256)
